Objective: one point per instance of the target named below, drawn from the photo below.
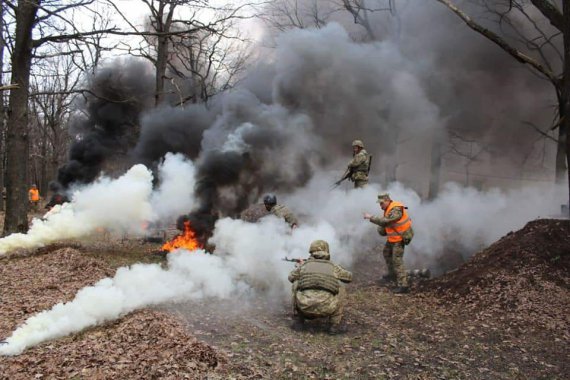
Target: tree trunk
(17, 144)
(561, 169)
(2, 107)
(566, 86)
(161, 62)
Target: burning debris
(186, 240)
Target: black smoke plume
(107, 124)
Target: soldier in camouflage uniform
(359, 166)
(280, 211)
(397, 226)
(318, 291)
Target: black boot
(401, 290)
(387, 278)
(336, 329)
(298, 323)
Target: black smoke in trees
(174, 130)
(106, 125)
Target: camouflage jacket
(316, 302)
(339, 272)
(359, 165)
(283, 212)
(394, 215)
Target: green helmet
(358, 143)
(383, 197)
(319, 249)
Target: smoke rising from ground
(122, 205)
(248, 255)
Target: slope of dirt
(523, 278)
(143, 345)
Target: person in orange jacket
(34, 198)
(396, 225)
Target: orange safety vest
(395, 229)
(34, 195)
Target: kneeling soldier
(318, 291)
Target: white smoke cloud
(465, 217)
(117, 204)
(175, 193)
(187, 276)
(121, 205)
(248, 256)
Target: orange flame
(186, 240)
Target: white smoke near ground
(248, 256)
(463, 218)
(117, 204)
(187, 276)
(248, 259)
(123, 206)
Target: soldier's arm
(394, 215)
(342, 274)
(295, 274)
(357, 160)
(291, 219)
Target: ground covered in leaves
(502, 315)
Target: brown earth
(523, 276)
(464, 325)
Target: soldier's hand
(367, 215)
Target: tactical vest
(318, 275)
(361, 171)
(395, 230)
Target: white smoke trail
(248, 256)
(466, 217)
(188, 276)
(121, 204)
(253, 259)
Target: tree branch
(518, 55)
(550, 11)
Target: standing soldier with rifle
(359, 167)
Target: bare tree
(188, 48)
(535, 42)
(37, 24)
(53, 87)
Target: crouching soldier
(318, 291)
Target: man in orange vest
(397, 226)
(34, 198)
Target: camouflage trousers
(360, 183)
(331, 310)
(394, 257)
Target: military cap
(358, 143)
(319, 245)
(383, 197)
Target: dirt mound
(144, 345)
(31, 284)
(526, 274)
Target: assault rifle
(348, 174)
(298, 261)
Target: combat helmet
(270, 199)
(319, 249)
(358, 143)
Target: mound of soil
(143, 345)
(525, 276)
